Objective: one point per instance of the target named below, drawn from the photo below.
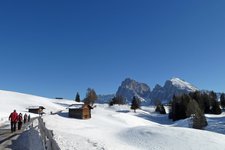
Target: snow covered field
(117, 128)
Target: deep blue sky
(56, 48)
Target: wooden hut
(36, 109)
(80, 111)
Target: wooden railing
(47, 136)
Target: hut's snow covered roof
(76, 106)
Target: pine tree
(215, 108)
(77, 99)
(160, 108)
(136, 103)
(222, 100)
(207, 106)
(199, 99)
(193, 110)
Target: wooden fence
(47, 136)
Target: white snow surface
(183, 84)
(117, 127)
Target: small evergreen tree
(136, 103)
(160, 108)
(193, 110)
(215, 108)
(198, 97)
(77, 99)
(179, 106)
(111, 103)
(206, 99)
(222, 100)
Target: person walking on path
(25, 118)
(29, 118)
(13, 117)
(20, 121)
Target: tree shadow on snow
(123, 111)
(64, 114)
(216, 124)
(158, 118)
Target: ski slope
(116, 128)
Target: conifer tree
(77, 99)
(193, 110)
(160, 108)
(136, 103)
(215, 108)
(222, 100)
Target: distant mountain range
(105, 98)
(130, 88)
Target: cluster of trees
(90, 98)
(117, 100)
(195, 105)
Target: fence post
(47, 136)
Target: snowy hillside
(12, 100)
(117, 127)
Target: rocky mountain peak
(183, 84)
(157, 86)
(174, 86)
(130, 88)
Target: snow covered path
(23, 139)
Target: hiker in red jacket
(13, 118)
(20, 121)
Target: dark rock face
(130, 88)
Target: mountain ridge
(130, 87)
